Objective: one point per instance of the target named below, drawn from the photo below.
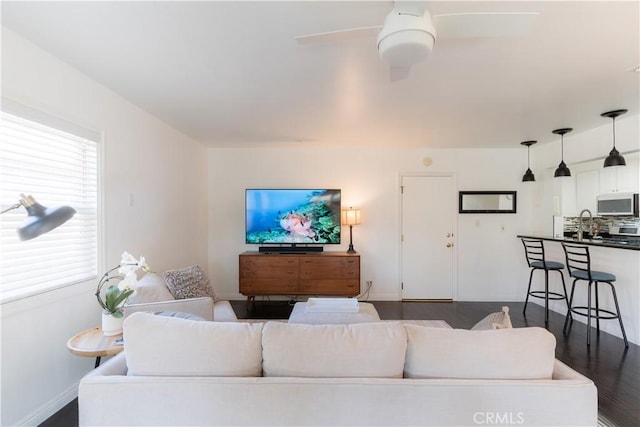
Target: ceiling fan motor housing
(406, 40)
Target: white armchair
(152, 295)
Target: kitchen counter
(630, 243)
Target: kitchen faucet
(580, 224)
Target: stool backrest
(578, 258)
(533, 250)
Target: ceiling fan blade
(398, 73)
(484, 24)
(340, 35)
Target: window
(57, 163)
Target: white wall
(369, 179)
(166, 173)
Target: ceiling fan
(409, 32)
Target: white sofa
(183, 372)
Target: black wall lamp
(614, 158)
(562, 169)
(528, 175)
(41, 219)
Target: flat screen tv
(292, 216)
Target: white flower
(130, 281)
(116, 296)
(143, 265)
(127, 263)
(127, 258)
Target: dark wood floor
(614, 369)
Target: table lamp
(351, 217)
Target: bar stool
(534, 252)
(579, 266)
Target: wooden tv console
(326, 274)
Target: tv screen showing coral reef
(292, 216)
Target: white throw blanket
(332, 305)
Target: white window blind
(57, 168)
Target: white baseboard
(46, 410)
(383, 297)
(372, 297)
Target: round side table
(91, 343)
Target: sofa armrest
(565, 372)
(223, 312)
(202, 307)
(117, 365)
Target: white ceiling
(230, 74)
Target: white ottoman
(366, 313)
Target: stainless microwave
(618, 204)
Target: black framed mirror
(487, 202)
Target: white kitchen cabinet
(564, 196)
(587, 190)
(620, 179)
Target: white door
(428, 252)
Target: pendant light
(528, 175)
(562, 169)
(614, 158)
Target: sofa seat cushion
(505, 354)
(179, 314)
(374, 350)
(170, 346)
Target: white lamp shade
(351, 216)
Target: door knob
(449, 235)
(449, 245)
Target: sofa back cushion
(169, 346)
(521, 353)
(357, 350)
(150, 288)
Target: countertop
(618, 242)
